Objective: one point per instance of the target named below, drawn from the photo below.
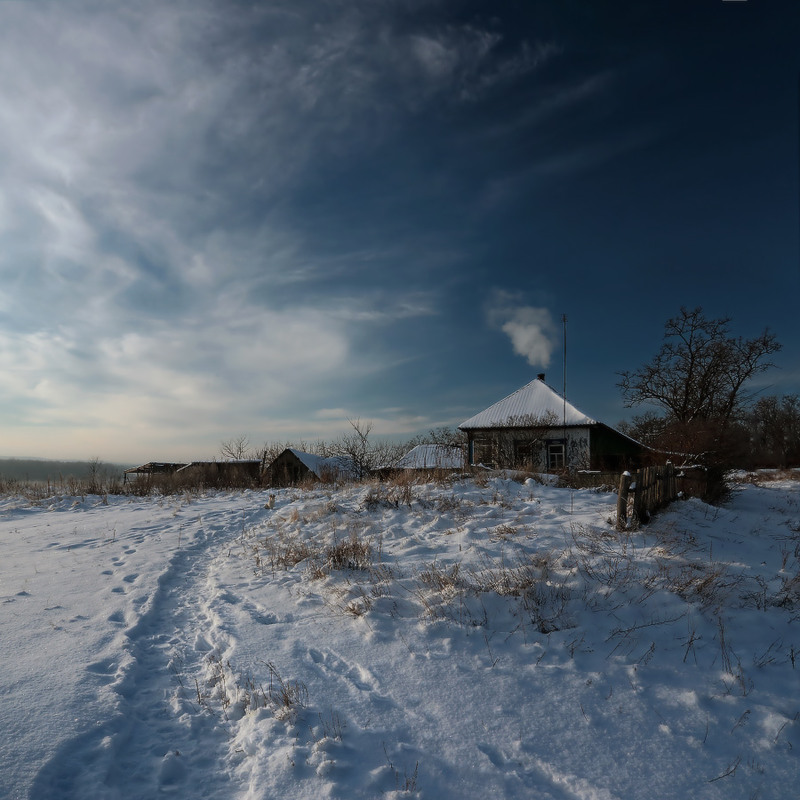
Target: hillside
(36, 469)
(440, 640)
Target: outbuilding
(294, 466)
(432, 457)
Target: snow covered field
(444, 640)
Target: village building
(235, 470)
(536, 428)
(152, 468)
(432, 457)
(294, 466)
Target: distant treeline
(34, 469)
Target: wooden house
(536, 428)
(294, 466)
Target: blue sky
(222, 217)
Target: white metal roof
(320, 465)
(535, 403)
(432, 456)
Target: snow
(495, 639)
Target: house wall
(613, 451)
(287, 470)
(534, 449)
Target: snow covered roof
(535, 403)
(322, 466)
(432, 456)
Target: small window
(555, 455)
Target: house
(537, 428)
(293, 466)
(432, 456)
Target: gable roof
(432, 456)
(535, 403)
(321, 466)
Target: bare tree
(443, 435)
(364, 453)
(236, 449)
(700, 372)
(356, 447)
(699, 379)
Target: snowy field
(443, 640)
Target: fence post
(622, 500)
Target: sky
(268, 218)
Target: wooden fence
(652, 488)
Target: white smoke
(531, 330)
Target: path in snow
(114, 714)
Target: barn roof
(321, 466)
(536, 402)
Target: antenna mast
(564, 393)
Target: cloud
(531, 330)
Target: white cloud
(531, 330)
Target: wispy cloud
(161, 257)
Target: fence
(655, 487)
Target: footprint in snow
(106, 668)
(493, 754)
(172, 769)
(358, 676)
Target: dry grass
(236, 695)
(763, 477)
(349, 554)
(444, 592)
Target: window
(527, 454)
(555, 455)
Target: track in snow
(157, 739)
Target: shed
(153, 468)
(234, 471)
(293, 466)
(536, 428)
(432, 456)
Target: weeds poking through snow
(288, 697)
(350, 553)
(444, 592)
(330, 727)
(409, 782)
(730, 770)
(244, 693)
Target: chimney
(540, 376)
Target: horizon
(268, 219)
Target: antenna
(564, 393)
(571, 491)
